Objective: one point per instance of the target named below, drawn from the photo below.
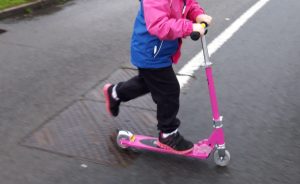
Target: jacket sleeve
(158, 22)
(194, 11)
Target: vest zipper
(155, 48)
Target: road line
(195, 63)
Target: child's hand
(204, 18)
(198, 28)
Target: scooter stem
(205, 51)
(210, 81)
(217, 136)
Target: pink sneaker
(112, 105)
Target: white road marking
(195, 63)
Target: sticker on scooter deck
(150, 142)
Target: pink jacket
(171, 19)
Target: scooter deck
(201, 149)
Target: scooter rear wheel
(222, 161)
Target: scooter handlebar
(196, 35)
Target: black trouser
(165, 90)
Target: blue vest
(148, 51)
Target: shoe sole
(166, 147)
(107, 101)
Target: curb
(21, 9)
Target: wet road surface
(50, 60)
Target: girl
(155, 45)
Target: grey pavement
(51, 60)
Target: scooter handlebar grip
(196, 35)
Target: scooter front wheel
(221, 160)
(123, 134)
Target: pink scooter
(203, 148)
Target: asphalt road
(50, 60)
